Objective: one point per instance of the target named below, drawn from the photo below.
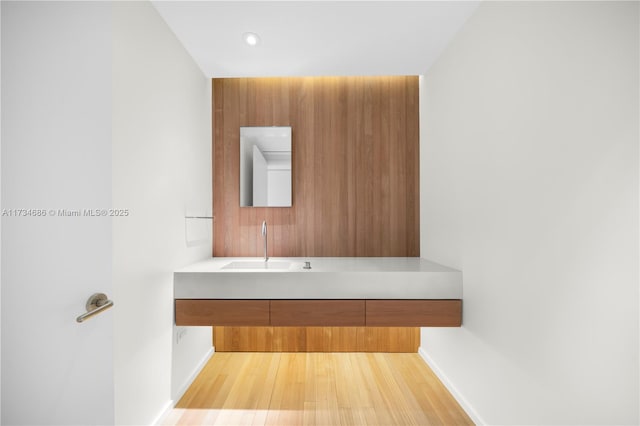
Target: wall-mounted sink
(338, 291)
(328, 278)
(258, 265)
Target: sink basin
(330, 278)
(258, 265)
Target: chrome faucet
(264, 239)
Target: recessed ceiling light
(251, 38)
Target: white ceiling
(312, 38)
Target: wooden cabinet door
(222, 312)
(414, 313)
(317, 312)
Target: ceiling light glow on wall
(251, 38)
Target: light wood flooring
(317, 389)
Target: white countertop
(328, 278)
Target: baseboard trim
(451, 388)
(171, 403)
(194, 374)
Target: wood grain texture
(419, 313)
(317, 389)
(355, 168)
(222, 312)
(317, 312)
(316, 339)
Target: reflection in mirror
(265, 166)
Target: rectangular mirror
(265, 166)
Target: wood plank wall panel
(316, 339)
(355, 166)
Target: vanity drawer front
(414, 313)
(317, 312)
(222, 312)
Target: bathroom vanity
(345, 291)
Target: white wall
(161, 170)
(279, 187)
(260, 178)
(0, 220)
(529, 185)
(56, 154)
